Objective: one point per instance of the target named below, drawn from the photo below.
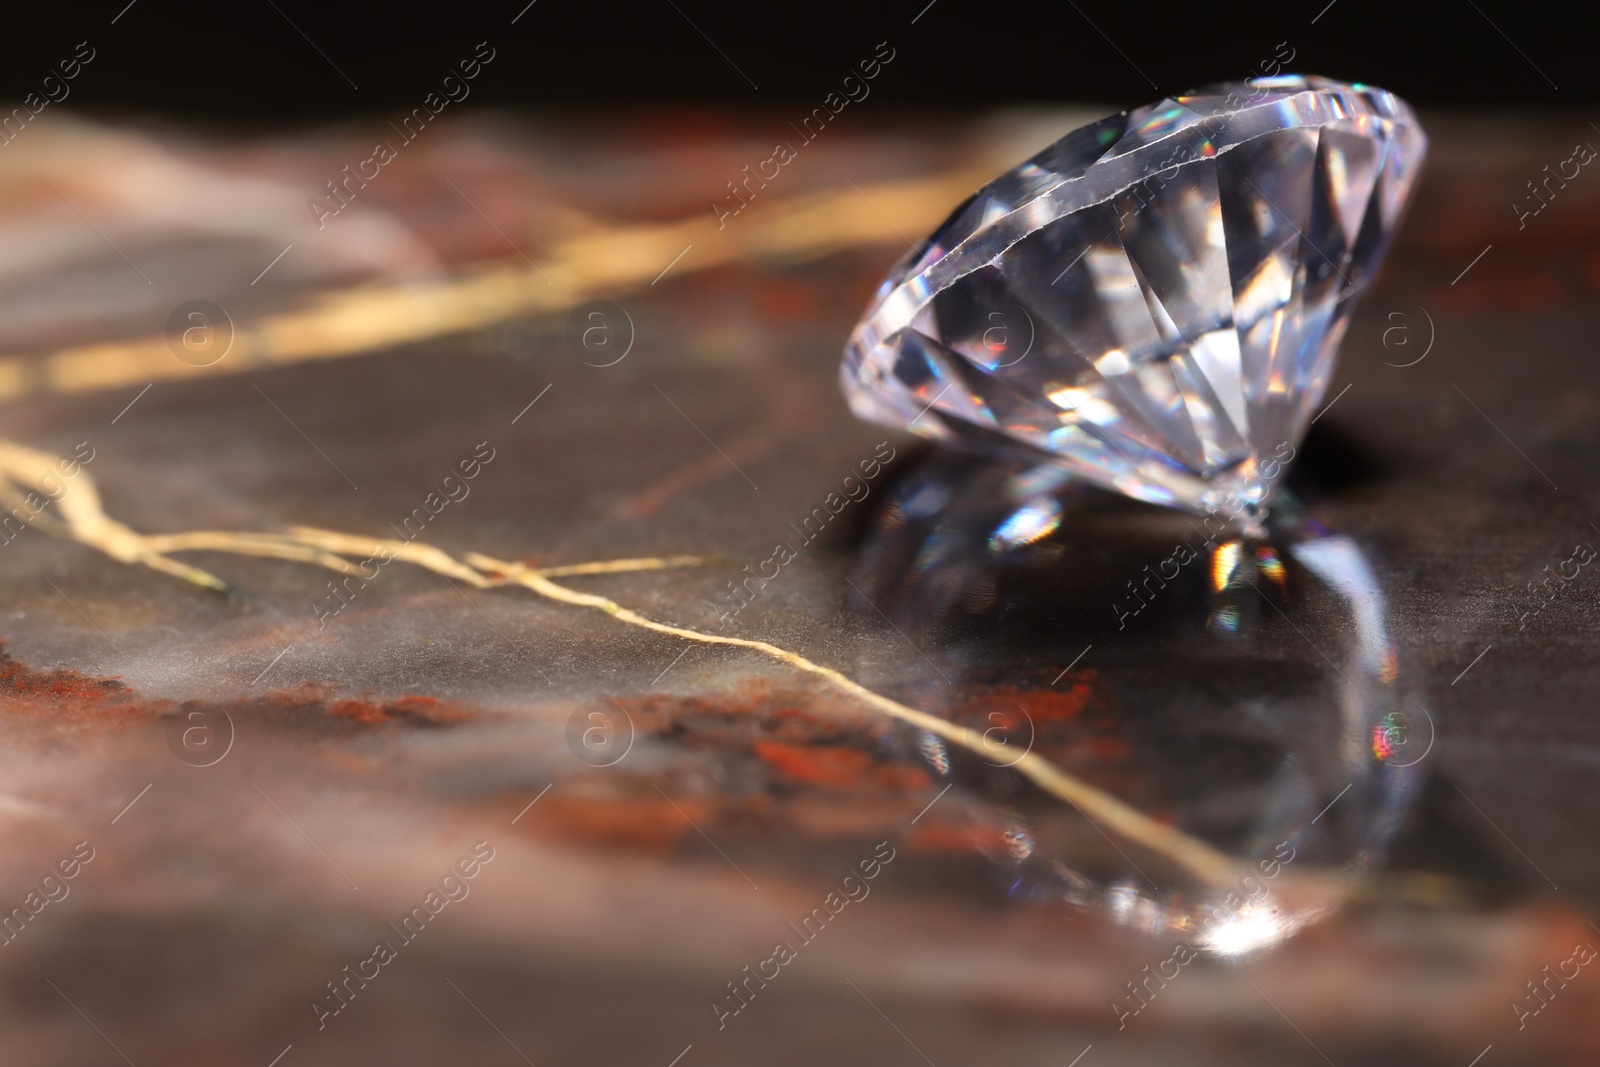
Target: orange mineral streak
(70, 701)
(825, 765)
(648, 823)
(65, 702)
(21, 683)
(1068, 720)
(409, 710)
(1044, 707)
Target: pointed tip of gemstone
(1155, 300)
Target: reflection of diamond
(1176, 279)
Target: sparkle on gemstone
(1155, 300)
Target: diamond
(1153, 302)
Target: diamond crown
(1154, 301)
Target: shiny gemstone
(1154, 301)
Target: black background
(243, 61)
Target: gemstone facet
(1154, 301)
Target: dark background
(244, 60)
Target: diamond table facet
(1153, 302)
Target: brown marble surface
(373, 748)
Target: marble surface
(371, 738)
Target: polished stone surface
(371, 749)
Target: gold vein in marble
(605, 263)
(81, 517)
